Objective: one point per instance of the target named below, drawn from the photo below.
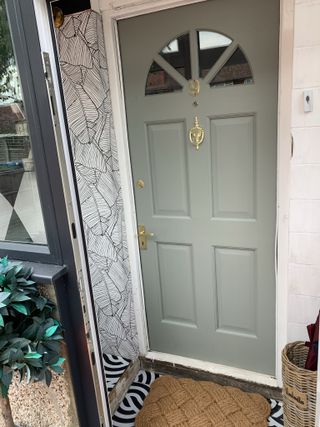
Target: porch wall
(304, 262)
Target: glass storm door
(201, 97)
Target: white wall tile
(306, 145)
(304, 280)
(305, 216)
(307, 2)
(303, 309)
(297, 332)
(299, 117)
(305, 248)
(305, 181)
(307, 18)
(306, 71)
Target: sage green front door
(203, 156)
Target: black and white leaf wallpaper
(86, 90)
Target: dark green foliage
(6, 50)
(30, 337)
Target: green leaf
(4, 296)
(20, 308)
(57, 369)
(51, 359)
(4, 390)
(30, 332)
(33, 355)
(20, 298)
(8, 328)
(60, 361)
(57, 338)
(52, 346)
(19, 342)
(5, 356)
(50, 331)
(4, 261)
(6, 376)
(48, 377)
(41, 303)
(36, 363)
(1, 321)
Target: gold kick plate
(143, 237)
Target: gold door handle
(143, 236)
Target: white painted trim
(95, 5)
(114, 10)
(214, 368)
(120, 124)
(121, 9)
(286, 43)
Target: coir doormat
(176, 402)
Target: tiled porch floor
(139, 389)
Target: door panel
(236, 276)
(170, 188)
(233, 160)
(176, 279)
(208, 271)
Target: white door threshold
(213, 368)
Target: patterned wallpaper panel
(87, 97)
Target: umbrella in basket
(312, 358)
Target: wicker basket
(299, 387)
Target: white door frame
(114, 10)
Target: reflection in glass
(159, 81)
(177, 53)
(21, 216)
(210, 47)
(235, 71)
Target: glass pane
(159, 81)
(177, 53)
(210, 46)
(21, 217)
(236, 71)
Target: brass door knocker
(194, 87)
(196, 134)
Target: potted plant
(30, 337)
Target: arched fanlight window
(221, 62)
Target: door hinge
(292, 146)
